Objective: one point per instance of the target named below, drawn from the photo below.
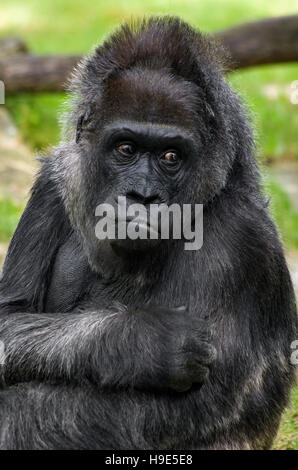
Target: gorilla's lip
(142, 224)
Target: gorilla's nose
(144, 198)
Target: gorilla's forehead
(149, 132)
(151, 96)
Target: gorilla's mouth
(133, 228)
(140, 235)
(142, 226)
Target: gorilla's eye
(126, 149)
(171, 157)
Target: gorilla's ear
(83, 119)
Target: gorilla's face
(149, 139)
(148, 164)
(143, 149)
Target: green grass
(287, 436)
(69, 26)
(266, 91)
(9, 217)
(284, 214)
(36, 117)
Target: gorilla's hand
(182, 353)
(147, 348)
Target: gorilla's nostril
(142, 198)
(135, 195)
(152, 199)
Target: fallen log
(36, 73)
(267, 41)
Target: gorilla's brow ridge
(140, 128)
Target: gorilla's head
(153, 120)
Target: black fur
(110, 348)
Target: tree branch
(272, 40)
(267, 41)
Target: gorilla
(142, 344)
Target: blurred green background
(74, 26)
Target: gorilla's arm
(143, 348)
(148, 348)
(44, 416)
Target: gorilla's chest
(73, 286)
